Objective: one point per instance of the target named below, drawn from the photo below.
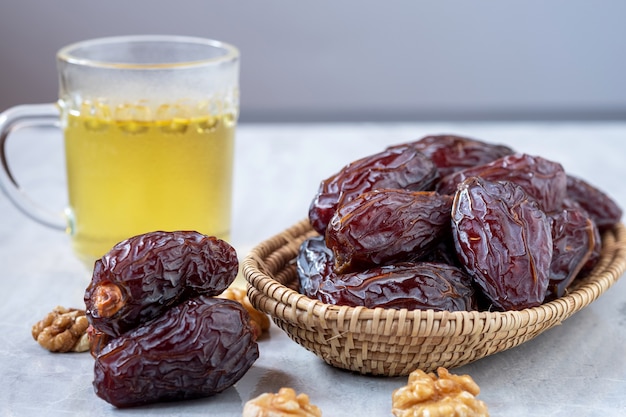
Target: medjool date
(574, 237)
(142, 277)
(314, 264)
(541, 178)
(195, 349)
(504, 241)
(402, 168)
(385, 226)
(603, 209)
(452, 153)
(419, 285)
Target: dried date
(419, 285)
(574, 238)
(195, 349)
(603, 209)
(142, 277)
(399, 168)
(411, 285)
(596, 252)
(541, 178)
(504, 241)
(314, 264)
(452, 153)
(384, 226)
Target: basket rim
(283, 300)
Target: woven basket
(395, 342)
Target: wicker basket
(395, 342)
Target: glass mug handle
(11, 120)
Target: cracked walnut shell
(283, 404)
(438, 395)
(63, 330)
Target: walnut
(284, 404)
(63, 330)
(259, 320)
(445, 395)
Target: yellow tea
(132, 177)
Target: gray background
(360, 60)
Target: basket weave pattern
(395, 342)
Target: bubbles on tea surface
(140, 117)
(173, 118)
(133, 127)
(94, 124)
(230, 119)
(230, 109)
(207, 124)
(179, 126)
(96, 115)
(133, 119)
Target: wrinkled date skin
(196, 349)
(542, 179)
(596, 253)
(314, 264)
(410, 285)
(603, 209)
(452, 153)
(141, 277)
(504, 241)
(384, 226)
(575, 240)
(399, 168)
(419, 285)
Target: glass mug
(149, 125)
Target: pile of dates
(157, 331)
(451, 223)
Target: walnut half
(442, 395)
(63, 330)
(283, 404)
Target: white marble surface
(578, 368)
